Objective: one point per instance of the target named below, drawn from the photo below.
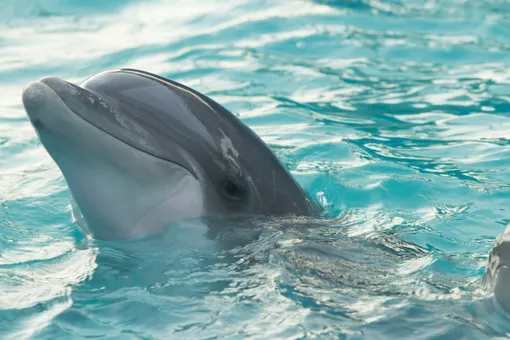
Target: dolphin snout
(43, 101)
(35, 97)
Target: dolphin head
(139, 151)
(497, 275)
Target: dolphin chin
(139, 152)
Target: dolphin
(139, 152)
(497, 275)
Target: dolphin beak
(39, 99)
(35, 96)
(75, 97)
(84, 103)
(37, 93)
(63, 88)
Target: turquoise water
(394, 114)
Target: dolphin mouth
(87, 106)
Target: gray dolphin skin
(497, 275)
(139, 152)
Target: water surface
(394, 114)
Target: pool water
(394, 114)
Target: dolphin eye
(233, 189)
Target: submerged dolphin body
(139, 152)
(497, 275)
